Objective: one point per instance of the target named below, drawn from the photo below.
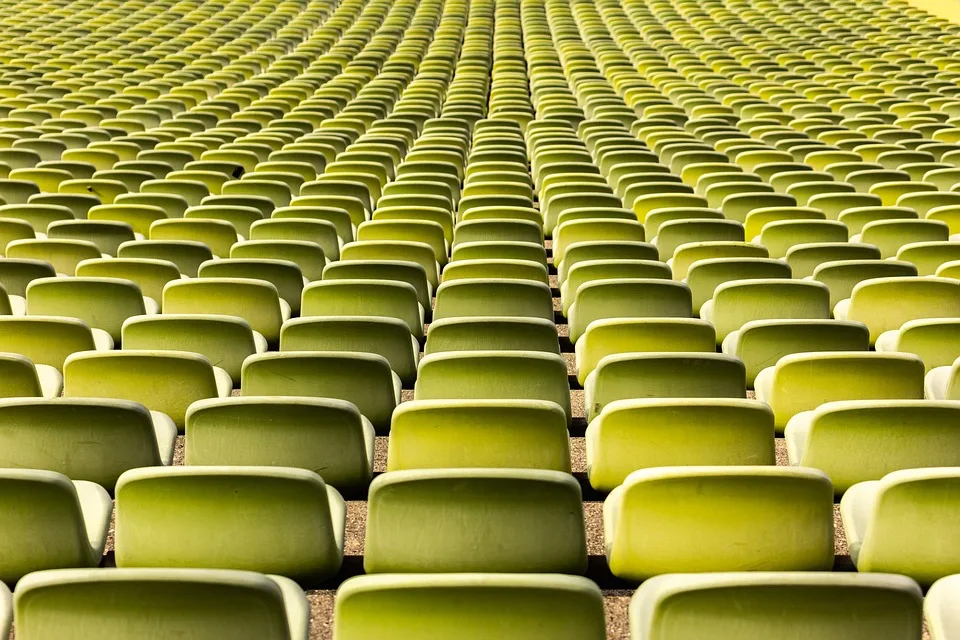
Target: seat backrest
(628, 298)
(887, 303)
(740, 301)
(102, 303)
(364, 297)
(149, 274)
(256, 301)
(493, 297)
(44, 339)
(187, 255)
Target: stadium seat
(885, 304)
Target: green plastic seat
(737, 302)
(63, 255)
(177, 517)
(323, 435)
(163, 381)
(719, 518)
(494, 375)
(475, 520)
(506, 333)
(637, 434)
(365, 297)
(48, 340)
(71, 517)
(891, 235)
(493, 297)
(104, 439)
(898, 434)
(706, 275)
(803, 381)
(676, 233)
(218, 235)
(161, 603)
(832, 606)
(628, 298)
(934, 340)
(595, 231)
(469, 606)
(897, 524)
(365, 379)
(634, 375)
(22, 378)
(186, 255)
(884, 304)
(322, 232)
(929, 256)
(418, 252)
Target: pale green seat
(884, 304)
(903, 523)
(163, 381)
(680, 374)
(388, 337)
(687, 254)
(803, 381)
(493, 297)
(841, 276)
(222, 339)
(64, 255)
(48, 340)
(587, 271)
(364, 297)
(102, 303)
(308, 257)
(504, 333)
(239, 216)
(856, 218)
(475, 520)
(469, 606)
(637, 335)
(497, 230)
(218, 235)
(496, 269)
(777, 604)
(399, 270)
(494, 375)
(929, 256)
(761, 343)
(256, 301)
(805, 258)
(758, 218)
(278, 520)
(520, 434)
(78, 204)
(160, 603)
(187, 255)
(322, 232)
(676, 233)
(14, 229)
(71, 518)
(337, 216)
(719, 518)
(418, 252)
(935, 340)
(780, 237)
(149, 274)
(628, 298)
(612, 230)
(740, 301)
(940, 608)
(858, 440)
(323, 435)
(637, 434)
(522, 251)
(737, 206)
(704, 276)
(365, 379)
(604, 250)
(106, 235)
(419, 231)
(285, 275)
(102, 439)
(891, 235)
(20, 377)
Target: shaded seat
(627, 298)
(935, 340)
(494, 297)
(534, 607)
(704, 519)
(475, 520)
(298, 534)
(636, 434)
(323, 435)
(858, 440)
(49, 340)
(804, 258)
(204, 602)
(364, 297)
(473, 333)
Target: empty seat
(475, 520)
(841, 276)
(628, 298)
(364, 297)
(636, 434)
(885, 304)
(164, 381)
(858, 440)
(741, 301)
(205, 603)
(323, 435)
(20, 377)
(705, 276)
(148, 274)
(365, 379)
(48, 340)
(770, 604)
(278, 520)
(698, 519)
(93, 440)
(627, 376)
(803, 381)
(493, 297)
(511, 607)
(70, 517)
(901, 523)
(187, 255)
(521, 434)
